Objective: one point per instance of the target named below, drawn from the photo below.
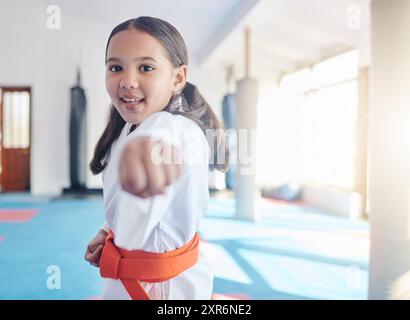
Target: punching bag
(228, 115)
(246, 121)
(78, 137)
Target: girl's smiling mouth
(131, 102)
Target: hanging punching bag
(228, 115)
(78, 137)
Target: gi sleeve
(136, 217)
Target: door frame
(15, 89)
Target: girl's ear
(180, 78)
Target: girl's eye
(146, 68)
(114, 68)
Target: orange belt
(138, 265)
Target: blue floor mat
(292, 252)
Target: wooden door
(15, 110)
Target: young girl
(148, 248)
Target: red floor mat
(17, 215)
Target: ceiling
(289, 34)
(203, 24)
(285, 34)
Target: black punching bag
(78, 137)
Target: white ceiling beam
(224, 28)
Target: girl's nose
(129, 81)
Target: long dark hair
(194, 105)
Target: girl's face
(139, 78)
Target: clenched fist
(147, 166)
(95, 248)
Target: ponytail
(111, 132)
(195, 107)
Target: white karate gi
(164, 222)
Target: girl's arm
(150, 175)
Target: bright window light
(16, 119)
(337, 69)
(312, 128)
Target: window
(320, 104)
(16, 117)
